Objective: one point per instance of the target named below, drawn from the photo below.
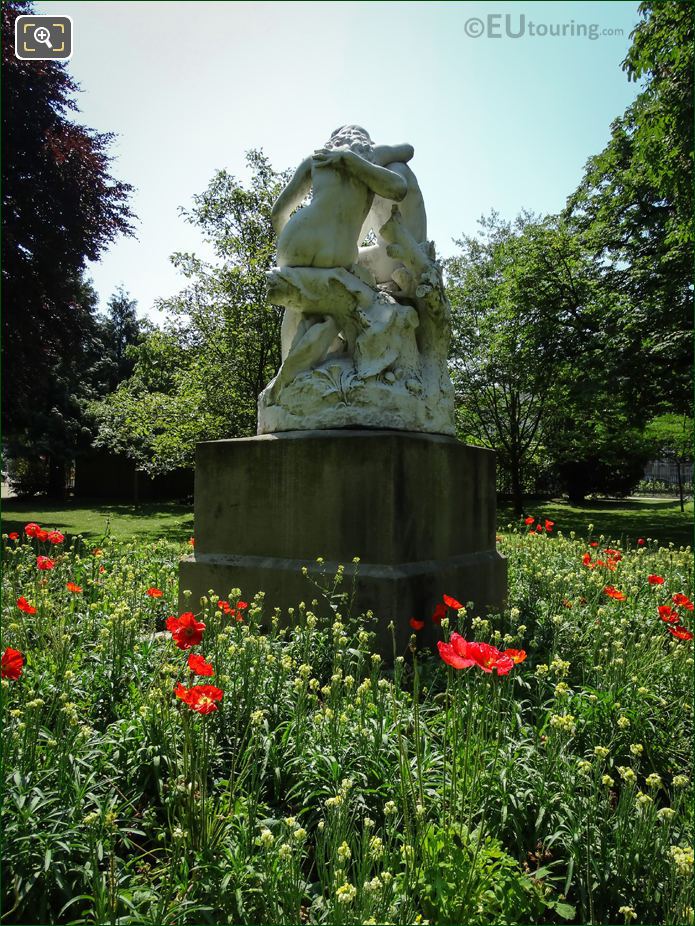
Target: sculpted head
(354, 137)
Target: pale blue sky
(502, 123)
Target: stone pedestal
(418, 509)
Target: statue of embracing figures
(366, 330)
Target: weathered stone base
(418, 509)
(334, 397)
(391, 592)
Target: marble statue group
(365, 331)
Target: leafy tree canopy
(533, 357)
(200, 377)
(634, 206)
(61, 207)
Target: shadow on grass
(625, 519)
(93, 518)
(617, 519)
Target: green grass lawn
(149, 520)
(620, 519)
(626, 519)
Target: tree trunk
(517, 492)
(56, 478)
(575, 495)
(515, 457)
(574, 477)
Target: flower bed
(216, 767)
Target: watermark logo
(518, 26)
(43, 38)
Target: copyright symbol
(474, 27)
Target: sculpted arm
(381, 181)
(387, 154)
(291, 196)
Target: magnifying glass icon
(43, 35)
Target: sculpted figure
(343, 177)
(413, 217)
(365, 331)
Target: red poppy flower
(640, 541)
(227, 609)
(416, 624)
(185, 631)
(655, 580)
(203, 698)
(191, 542)
(236, 613)
(461, 646)
(503, 664)
(13, 536)
(680, 632)
(197, 664)
(97, 551)
(614, 554)
(154, 592)
(516, 655)
(529, 520)
(31, 529)
(488, 657)
(41, 535)
(452, 602)
(200, 698)
(75, 589)
(44, 562)
(438, 613)
(481, 653)
(593, 543)
(586, 560)
(55, 537)
(455, 653)
(549, 525)
(24, 605)
(614, 593)
(11, 664)
(539, 528)
(181, 691)
(668, 614)
(683, 601)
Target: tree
(516, 292)
(611, 282)
(542, 359)
(158, 414)
(59, 428)
(594, 440)
(633, 214)
(200, 377)
(121, 329)
(61, 207)
(635, 203)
